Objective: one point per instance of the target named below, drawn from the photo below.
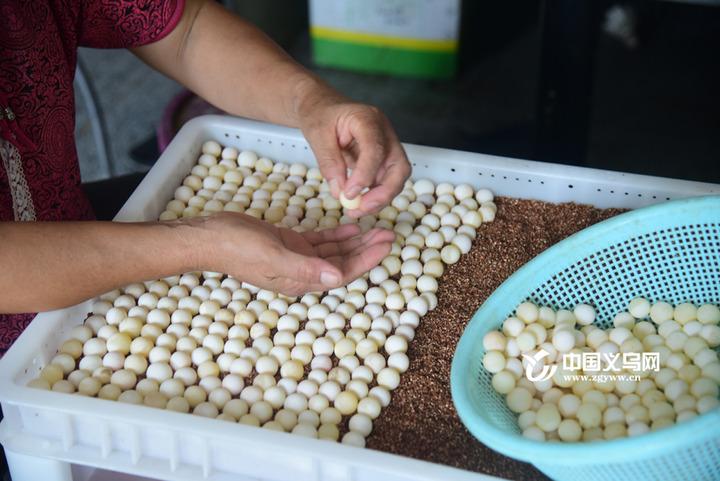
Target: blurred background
(629, 86)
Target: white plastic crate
(43, 432)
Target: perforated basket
(668, 252)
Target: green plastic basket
(668, 252)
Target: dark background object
(656, 109)
(568, 41)
(108, 196)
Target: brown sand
(421, 421)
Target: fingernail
(352, 192)
(329, 279)
(372, 205)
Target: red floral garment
(39, 173)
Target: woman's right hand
(284, 260)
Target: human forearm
(234, 65)
(47, 265)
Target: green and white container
(413, 38)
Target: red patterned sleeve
(126, 23)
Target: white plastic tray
(45, 431)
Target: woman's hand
(349, 135)
(49, 265)
(286, 261)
